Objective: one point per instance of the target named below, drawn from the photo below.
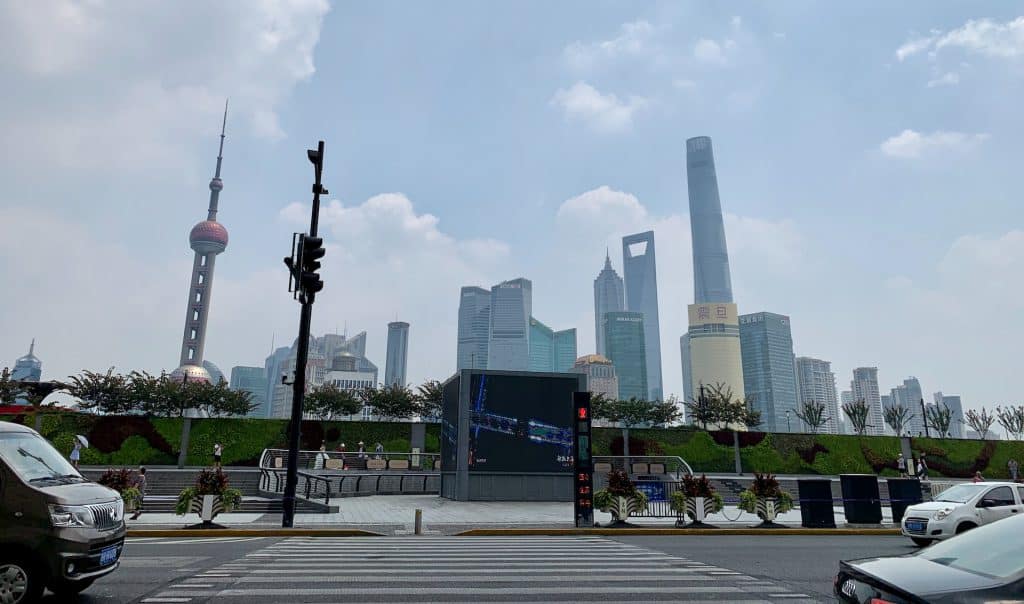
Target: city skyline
(400, 240)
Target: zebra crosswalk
(467, 569)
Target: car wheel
(67, 590)
(19, 582)
(921, 542)
(964, 527)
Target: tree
(939, 418)
(327, 402)
(858, 411)
(8, 388)
(104, 392)
(701, 410)
(430, 396)
(897, 416)
(633, 412)
(981, 422)
(390, 402)
(812, 413)
(1012, 420)
(219, 400)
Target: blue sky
(867, 155)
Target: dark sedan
(982, 565)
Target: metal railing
(671, 467)
(350, 460)
(324, 485)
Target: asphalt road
(806, 564)
(483, 569)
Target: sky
(868, 162)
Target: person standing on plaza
(362, 450)
(901, 465)
(218, 451)
(378, 449)
(922, 468)
(76, 453)
(1013, 468)
(140, 484)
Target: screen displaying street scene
(449, 425)
(521, 423)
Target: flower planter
(767, 509)
(623, 507)
(698, 509)
(207, 506)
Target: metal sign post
(583, 461)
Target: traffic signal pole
(307, 284)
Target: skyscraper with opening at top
(639, 266)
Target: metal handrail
(312, 480)
(673, 463)
(311, 459)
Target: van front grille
(108, 515)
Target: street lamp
(789, 428)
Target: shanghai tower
(207, 239)
(711, 348)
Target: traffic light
(312, 250)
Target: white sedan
(961, 508)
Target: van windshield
(34, 459)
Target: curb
(677, 531)
(274, 532)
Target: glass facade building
(769, 372)
(474, 328)
(641, 280)
(865, 387)
(254, 381)
(624, 334)
(28, 368)
(511, 307)
(609, 296)
(551, 351)
(956, 426)
(397, 353)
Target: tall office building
(325, 354)
(608, 297)
(914, 401)
(769, 373)
(624, 335)
(865, 387)
(474, 327)
(398, 353)
(508, 347)
(640, 269)
(601, 375)
(254, 381)
(207, 239)
(28, 368)
(273, 365)
(845, 398)
(551, 351)
(816, 382)
(887, 402)
(956, 407)
(711, 347)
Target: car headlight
(70, 515)
(943, 514)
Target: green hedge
(137, 440)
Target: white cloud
(910, 144)
(602, 112)
(950, 78)
(982, 36)
(736, 21)
(602, 205)
(634, 40)
(709, 52)
(147, 77)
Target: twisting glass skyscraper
(711, 347)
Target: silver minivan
(57, 529)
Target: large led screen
(521, 423)
(449, 425)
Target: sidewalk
(396, 515)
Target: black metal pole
(299, 384)
(924, 419)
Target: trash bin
(903, 493)
(861, 501)
(816, 503)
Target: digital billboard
(521, 423)
(449, 425)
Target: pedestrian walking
(922, 468)
(140, 484)
(1013, 468)
(76, 453)
(901, 465)
(978, 477)
(218, 451)
(378, 449)
(362, 450)
(321, 457)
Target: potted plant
(123, 482)
(621, 498)
(765, 498)
(695, 498)
(210, 496)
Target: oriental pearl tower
(207, 238)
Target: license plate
(915, 526)
(108, 556)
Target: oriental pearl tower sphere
(207, 239)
